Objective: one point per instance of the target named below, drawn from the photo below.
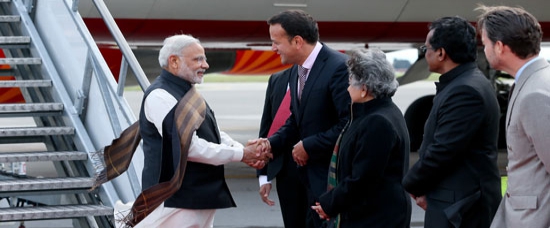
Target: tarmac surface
(238, 108)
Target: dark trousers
(435, 216)
(292, 196)
(314, 176)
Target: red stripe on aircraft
(253, 62)
(113, 57)
(9, 95)
(155, 30)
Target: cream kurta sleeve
(157, 105)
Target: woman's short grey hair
(174, 45)
(371, 69)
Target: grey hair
(371, 69)
(174, 45)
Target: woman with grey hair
(371, 155)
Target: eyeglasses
(198, 59)
(423, 49)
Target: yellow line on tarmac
(503, 184)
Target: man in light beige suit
(512, 37)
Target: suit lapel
(293, 81)
(314, 75)
(524, 77)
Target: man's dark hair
(457, 36)
(514, 27)
(297, 23)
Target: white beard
(188, 75)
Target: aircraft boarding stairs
(47, 143)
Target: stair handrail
(128, 59)
(129, 56)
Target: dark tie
(302, 77)
(282, 114)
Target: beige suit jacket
(527, 199)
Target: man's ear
(173, 61)
(442, 54)
(499, 47)
(298, 41)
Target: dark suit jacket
(291, 191)
(373, 157)
(320, 116)
(457, 169)
(276, 90)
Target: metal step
(10, 18)
(43, 156)
(30, 107)
(15, 39)
(13, 42)
(53, 212)
(25, 83)
(35, 131)
(37, 184)
(20, 61)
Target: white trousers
(167, 217)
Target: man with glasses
(203, 188)
(456, 179)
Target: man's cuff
(263, 180)
(238, 154)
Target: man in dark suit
(319, 100)
(456, 179)
(291, 192)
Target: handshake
(256, 153)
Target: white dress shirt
(157, 105)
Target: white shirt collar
(312, 56)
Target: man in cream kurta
(192, 205)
